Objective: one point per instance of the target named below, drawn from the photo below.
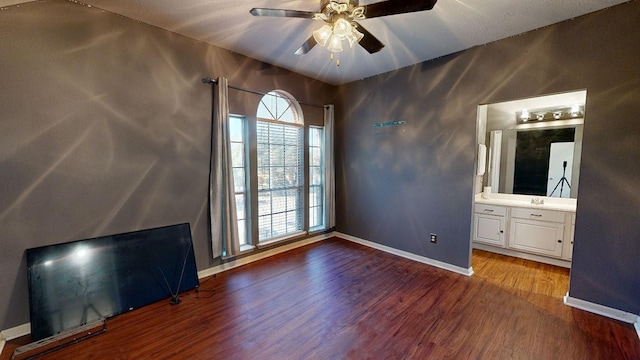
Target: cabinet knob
(559, 241)
(501, 232)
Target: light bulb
(352, 40)
(524, 115)
(322, 35)
(354, 37)
(335, 44)
(357, 34)
(341, 29)
(575, 110)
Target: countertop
(567, 205)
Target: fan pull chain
(337, 60)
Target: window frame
(298, 187)
(320, 147)
(247, 244)
(251, 177)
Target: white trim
(406, 255)
(262, 255)
(637, 325)
(16, 332)
(13, 333)
(279, 239)
(601, 310)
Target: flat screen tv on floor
(75, 283)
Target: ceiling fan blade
(281, 13)
(393, 7)
(308, 45)
(369, 42)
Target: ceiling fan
(341, 16)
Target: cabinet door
(538, 237)
(567, 251)
(488, 229)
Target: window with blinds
(280, 168)
(238, 162)
(316, 178)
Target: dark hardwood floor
(337, 300)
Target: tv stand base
(58, 341)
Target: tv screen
(75, 283)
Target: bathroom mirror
(534, 145)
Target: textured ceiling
(452, 26)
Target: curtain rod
(208, 80)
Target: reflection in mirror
(534, 145)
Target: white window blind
(238, 163)
(316, 178)
(280, 178)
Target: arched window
(280, 106)
(274, 200)
(280, 166)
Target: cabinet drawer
(538, 214)
(490, 210)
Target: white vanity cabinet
(537, 231)
(567, 252)
(489, 224)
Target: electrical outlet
(433, 238)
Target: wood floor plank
(340, 300)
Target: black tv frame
(74, 283)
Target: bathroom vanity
(529, 156)
(534, 228)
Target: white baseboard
(262, 255)
(601, 310)
(406, 255)
(13, 333)
(16, 332)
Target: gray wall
(105, 128)
(394, 187)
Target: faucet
(537, 201)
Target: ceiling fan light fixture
(332, 35)
(339, 17)
(356, 34)
(338, 6)
(335, 44)
(342, 29)
(322, 35)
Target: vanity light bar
(550, 114)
